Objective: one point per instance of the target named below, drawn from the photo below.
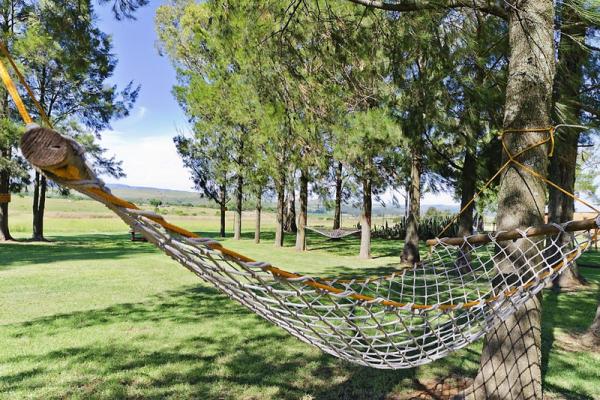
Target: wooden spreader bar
(540, 230)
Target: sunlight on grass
(93, 315)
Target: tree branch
(486, 6)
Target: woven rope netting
(408, 318)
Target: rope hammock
(411, 317)
(333, 234)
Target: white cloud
(148, 161)
(153, 161)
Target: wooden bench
(137, 237)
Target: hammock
(463, 288)
(333, 234)
(408, 318)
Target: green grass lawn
(93, 315)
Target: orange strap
(512, 159)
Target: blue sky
(144, 139)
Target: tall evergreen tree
(510, 362)
(68, 71)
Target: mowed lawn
(93, 315)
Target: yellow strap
(23, 82)
(14, 94)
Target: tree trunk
(39, 206)
(365, 221)
(290, 212)
(511, 357)
(467, 188)
(337, 215)
(223, 209)
(568, 82)
(594, 329)
(257, 222)
(237, 228)
(410, 253)
(560, 206)
(465, 220)
(279, 232)
(4, 189)
(303, 217)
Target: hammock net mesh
(402, 320)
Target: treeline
(347, 102)
(66, 61)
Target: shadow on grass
(72, 248)
(243, 353)
(571, 313)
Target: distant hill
(139, 194)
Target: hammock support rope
(405, 319)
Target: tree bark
(365, 220)
(561, 207)
(4, 189)
(39, 206)
(279, 232)
(410, 253)
(258, 216)
(567, 84)
(290, 212)
(237, 228)
(223, 209)
(467, 188)
(337, 215)
(303, 217)
(594, 329)
(511, 358)
(465, 220)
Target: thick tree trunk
(237, 228)
(511, 357)
(337, 215)
(223, 209)
(568, 82)
(410, 253)
(467, 189)
(279, 232)
(4, 189)
(303, 217)
(365, 220)
(258, 216)
(39, 206)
